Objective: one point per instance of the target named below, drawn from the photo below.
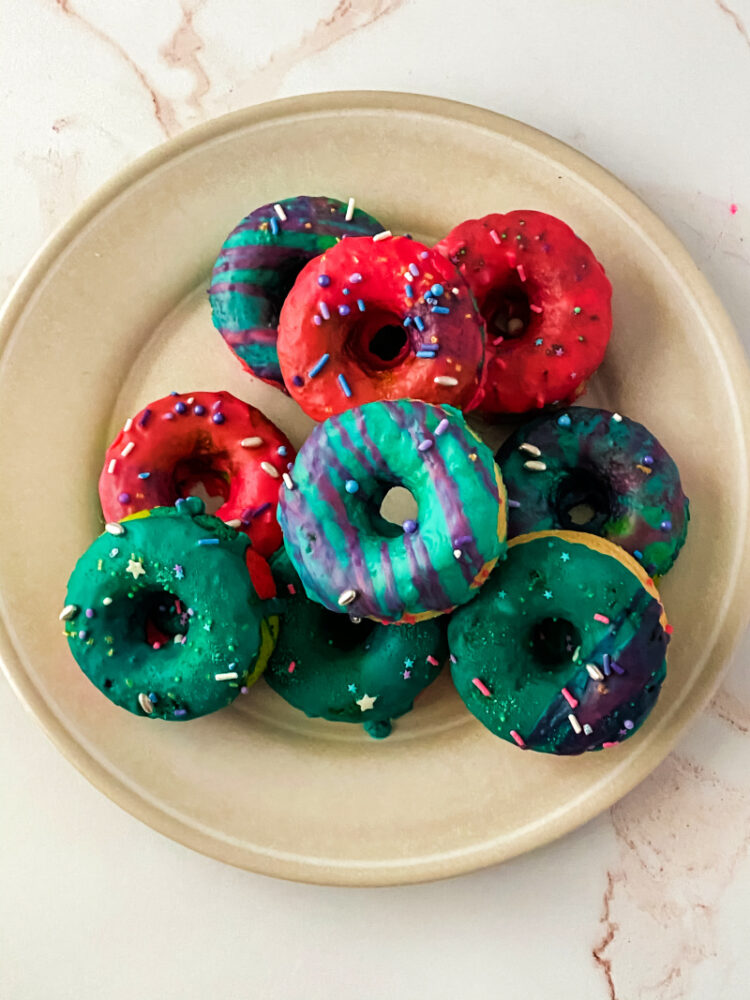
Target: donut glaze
(379, 319)
(564, 649)
(211, 437)
(546, 303)
(329, 667)
(349, 557)
(603, 460)
(180, 575)
(258, 264)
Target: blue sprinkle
(143, 475)
(361, 305)
(437, 289)
(637, 553)
(430, 300)
(174, 392)
(323, 280)
(351, 485)
(144, 417)
(344, 291)
(199, 410)
(273, 222)
(153, 697)
(297, 380)
(344, 386)
(344, 310)
(426, 354)
(208, 541)
(539, 342)
(648, 459)
(179, 712)
(444, 310)
(409, 290)
(564, 420)
(319, 364)
(414, 270)
(407, 320)
(606, 664)
(419, 323)
(409, 526)
(281, 450)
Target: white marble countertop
(651, 900)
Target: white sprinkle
(445, 380)
(113, 528)
(574, 723)
(455, 291)
(68, 612)
(616, 417)
(234, 523)
(127, 449)
(457, 553)
(280, 212)
(346, 597)
(107, 601)
(190, 400)
(382, 236)
(230, 675)
(587, 729)
(349, 210)
(178, 637)
(128, 425)
(535, 466)
(267, 467)
(146, 704)
(288, 481)
(252, 442)
(111, 466)
(576, 653)
(594, 672)
(515, 325)
(530, 448)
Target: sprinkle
(409, 526)
(230, 675)
(111, 466)
(344, 310)
(424, 254)
(571, 700)
(349, 210)
(419, 323)
(669, 629)
(407, 320)
(425, 445)
(83, 634)
(324, 310)
(617, 668)
(179, 712)
(423, 353)
(414, 270)
(355, 278)
(494, 237)
(535, 309)
(648, 459)
(442, 310)
(565, 556)
(514, 503)
(409, 291)
(733, 208)
(521, 271)
(534, 466)
(128, 424)
(180, 407)
(144, 475)
(594, 672)
(432, 661)
(135, 568)
(270, 469)
(629, 724)
(218, 418)
(601, 618)
(617, 418)
(517, 739)
(587, 730)
(259, 510)
(612, 743)
(384, 235)
(208, 541)
(637, 553)
(288, 481)
(68, 612)
(251, 442)
(361, 305)
(564, 420)
(344, 385)
(274, 226)
(323, 280)
(346, 597)
(437, 289)
(123, 497)
(280, 212)
(576, 310)
(291, 667)
(548, 595)
(666, 525)
(351, 485)
(457, 553)
(643, 468)
(530, 448)
(446, 380)
(127, 449)
(576, 725)
(539, 341)
(199, 410)
(297, 380)
(441, 427)
(178, 571)
(144, 417)
(481, 687)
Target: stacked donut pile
(531, 570)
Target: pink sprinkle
(518, 739)
(291, 588)
(157, 645)
(669, 629)
(733, 208)
(535, 309)
(569, 698)
(431, 659)
(292, 665)
(497, 340)
(494, 237)
(601, 618)
(453, 659)
(177, 606)
(521, 272)
(481, 687)
(613, 744)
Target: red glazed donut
(379, 318)
(546, 303)
(164, 451)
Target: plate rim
(695, 284)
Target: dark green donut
(129, 585)
(330, 667)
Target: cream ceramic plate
(113, 313)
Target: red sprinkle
(669, 629)
(481, 687)
(518, 739)
(292, 665)
(569, 698)
(614, 744)
(433, 661)
(291, 588)
(601, 618)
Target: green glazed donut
(330, 667)
(153, 573)
(564, 649)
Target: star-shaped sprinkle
(565, 556)
(548, 594)
(406, 674)
(366, 702)
(352, 688)
(408, 662)
(179, 572)
(502, 595)
(135, 568)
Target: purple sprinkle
(319, 365)
(180, 407)
(82, 634)
(409, 526)
(344, 310)
(259, 510)
(463, 540)
(323, 280)
(425, 445)
(144, 417)
(297, 380)
(324, 310)
(453, 658)
(247, 513)
(617, 668)
(514, 503)
(414, 270)
(355, 278)
(648, 459)
(317, 320)
(124, 497)
(629, 724)
(666, 525)
(244, 689)
(429, 347)
(199, 409)
(424, 254)
(179, 712)
(169, 416)
(218, 418)
(344, 386)
(90, 613)
(441, 427)
(606, 664)
(361, 305)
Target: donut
(546, 304)
(564, 649)
(349, 557)
(379, 319)
(181, 575)
(210, 437)
(327, 666)
(258, 264)
(609, 472)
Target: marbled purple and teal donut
(591, 470)
(258, 264)
(564, 649)
(349, 557)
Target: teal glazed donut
(564, 650)
(349, 557)
(329, 667)
(613, 466)
(258, 264)
(163, 617)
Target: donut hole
(378, 340)
(196, 477)
(398, 505)
(346, 635)
(506, 312)
(157, 617)
(285, 275)
(553, 642)
(583, 502)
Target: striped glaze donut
(349, 557)
(210, 437)
(380, 319)
(546, 304)
(258, 264)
